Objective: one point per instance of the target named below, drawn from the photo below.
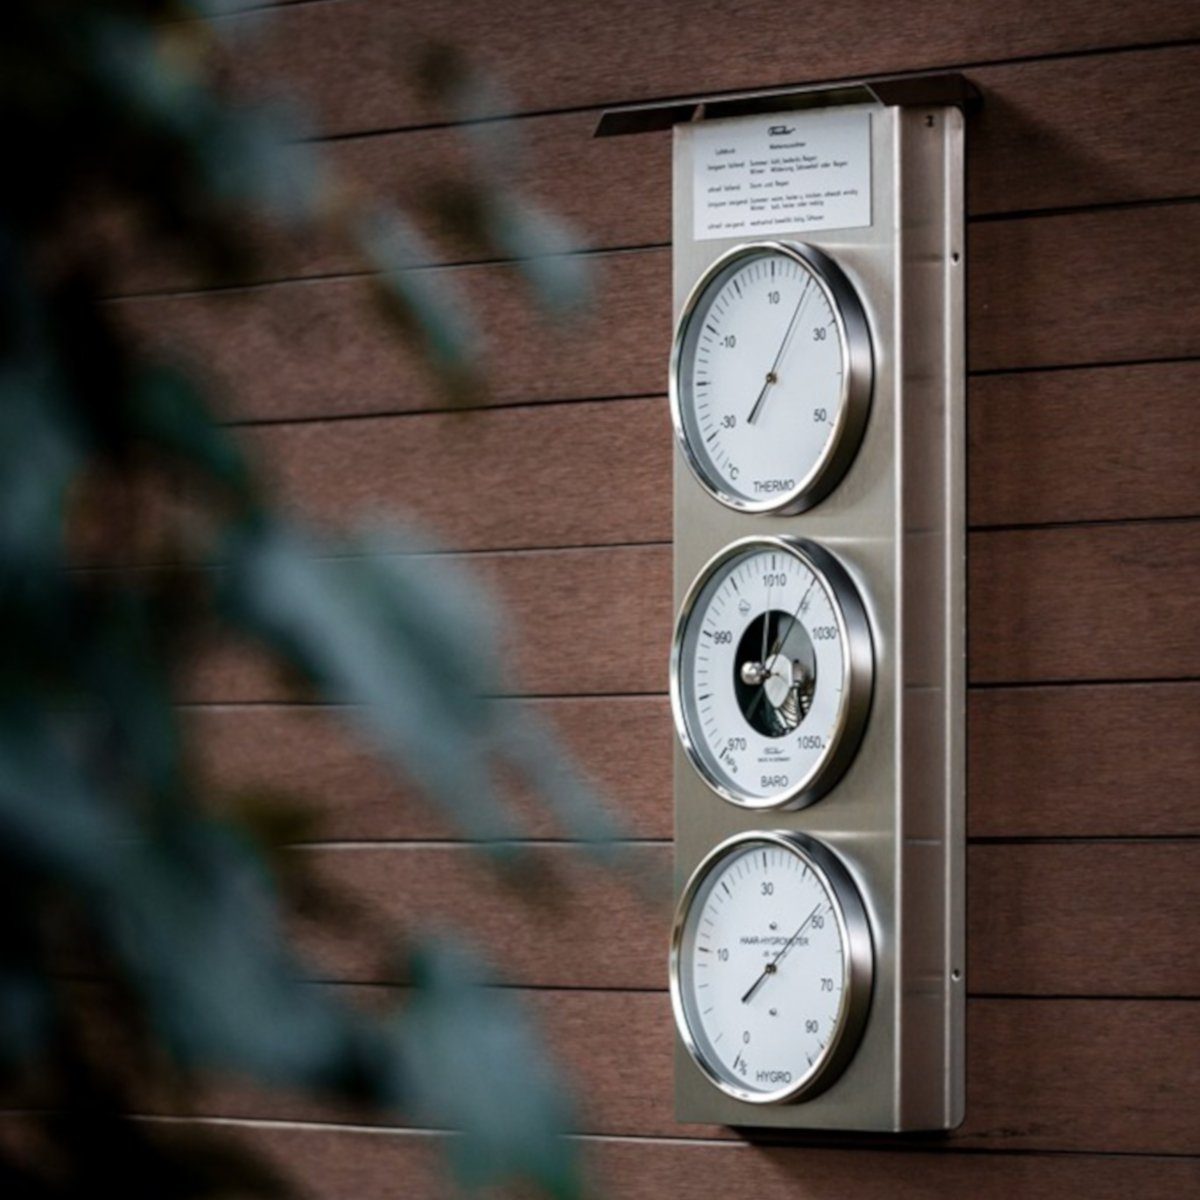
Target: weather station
(817, 671)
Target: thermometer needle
(773, 373)
(766, 387)
(773, 965)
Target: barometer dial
(771, 965)
(771, 672)
(771, 377)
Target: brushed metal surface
(896, 522)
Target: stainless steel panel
(896, 521)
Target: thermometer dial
(771, 672)
(771, 377)
(771, 965)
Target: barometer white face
(771, 672)
(771, 966)
(771, 377)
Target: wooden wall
(1084, 709)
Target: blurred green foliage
(106, 838)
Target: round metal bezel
(858, 671)
(858, 957)
(857, 378)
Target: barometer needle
(766, 637)
(773, 373)
(762, 662)
(776, 650)
(773, 965)
(783, 637)
(762, 691)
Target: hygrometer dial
(771, 966)
(771, 377)
(771, 672)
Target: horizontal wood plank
(1084, 445)
(583, 474)
(1098, 287)
(1046, 912)
(580, 622)
(353, 62)
(1099, 603)
(330, 1163)
(618, 604)
(1073, 918)
(1048, 135)
(1057, 134)
(648, 1171)
(622, 743)
(1085, 761)
(1034, 1081)
(1058, 290)
(1044, 447)
(321, 348)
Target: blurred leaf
(541, 245)
(257, 156)
(24, 1015)
(533, 750)
(49, 819)
(484, 1073)
(41, 446)
(195, 921)
(40, 453)
(168, 409)
(239, 154)
(490, 205)
(504, 225)
(398, 636)
(419, 299)
(101, 827)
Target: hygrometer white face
(771, 672)
(771, 966)
(771, 377)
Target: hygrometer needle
(773, 965)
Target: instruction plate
(782, 173)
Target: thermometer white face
(771, 377)
(771, 967)
(771, 672)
